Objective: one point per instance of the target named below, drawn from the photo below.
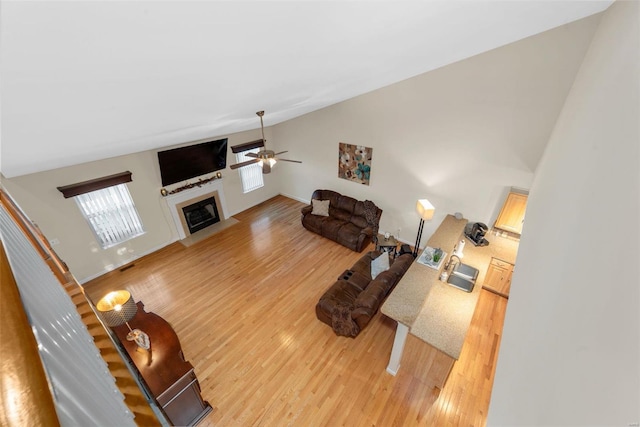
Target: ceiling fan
(267, 158)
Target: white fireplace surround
(177, 201)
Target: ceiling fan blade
(247, 163)
(252, 155)
(282, 152)
(287, 160)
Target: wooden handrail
(35, 236)
(24, 395)
(134, 398)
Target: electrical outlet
(54, 242)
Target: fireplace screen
(201, 214)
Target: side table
(389, 245)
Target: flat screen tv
(180, 164)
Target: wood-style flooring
(243, 304)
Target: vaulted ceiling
(87, 80)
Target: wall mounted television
(180, 164)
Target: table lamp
(426, 210)
(118, 307)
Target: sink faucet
(450, 262)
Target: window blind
(251, 175)
(111, 214)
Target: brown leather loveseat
(350, 222)
(352, 301)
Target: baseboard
(305, 201)
(123, 263)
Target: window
(111, 214)
(250, 175)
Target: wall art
(354, 163)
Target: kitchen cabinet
(511, 216)
(498, 277)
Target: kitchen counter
(434, 311)
(405, 302)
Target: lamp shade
(425, 209)
(117, 307)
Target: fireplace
(204, 205)
(201, 214)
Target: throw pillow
(379, 264)
(320, 207)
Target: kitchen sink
(465, 271)
(463, 277)
(461, 283)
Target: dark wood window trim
(247, 146)
(72, 190)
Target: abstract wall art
(354, 163)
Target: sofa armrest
(306, 210)
(367, 303)
(362, 316)
(368, 231)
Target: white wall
(61, 219)
(459, 136)
(570, 353)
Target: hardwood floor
(243, 304)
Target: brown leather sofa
(352, 301)
(351, 223)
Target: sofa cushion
(359, 221)
(313, 222)
(349, 235)
(401, 264)
(363, 265)
(330, 195)
(320, 207)
(372, 297)
(380, 264)
(341, 214)
(346, 203)
(386, 280)
(331, 227)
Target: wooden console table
(170, 377)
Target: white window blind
(250, 175)
(111, 214)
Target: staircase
(138, 404)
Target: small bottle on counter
(444, 275)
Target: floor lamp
(426, 210)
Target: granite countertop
(437, 312)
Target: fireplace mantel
(176, 201)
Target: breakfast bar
(433, 311)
